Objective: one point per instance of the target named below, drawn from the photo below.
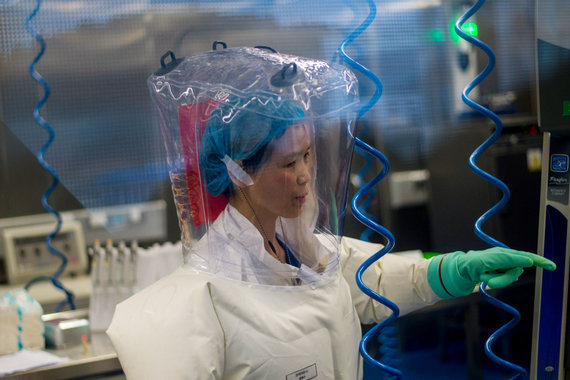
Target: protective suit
(195, 325)
(258, 148)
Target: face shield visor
(258, 148)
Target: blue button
(559, 163)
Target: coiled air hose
(520, 372)
(54, 279)
(361, 215)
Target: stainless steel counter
(100, 362)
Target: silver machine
(550, 351)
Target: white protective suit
(198, 325)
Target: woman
(266, 294)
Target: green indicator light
(471, 29)
(452, 34)
(566, 108)
(436, 35)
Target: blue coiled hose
(44, 124)
(372, 259)
(520, 372)
(359, 180)
(368, 187)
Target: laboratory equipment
(550, 355)
(66, 329)
(111, 280)
(26, 255)
(120, 270)
(21, 324)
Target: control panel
(24, 253)
(27, 255)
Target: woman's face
(281, 185)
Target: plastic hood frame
(256, 83)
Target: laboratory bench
(98, 361)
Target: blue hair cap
(239, 128)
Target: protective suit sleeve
(401, 279)
(169, 330)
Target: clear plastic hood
(258, 148)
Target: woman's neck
(264, 223)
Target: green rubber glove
(457, 273)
